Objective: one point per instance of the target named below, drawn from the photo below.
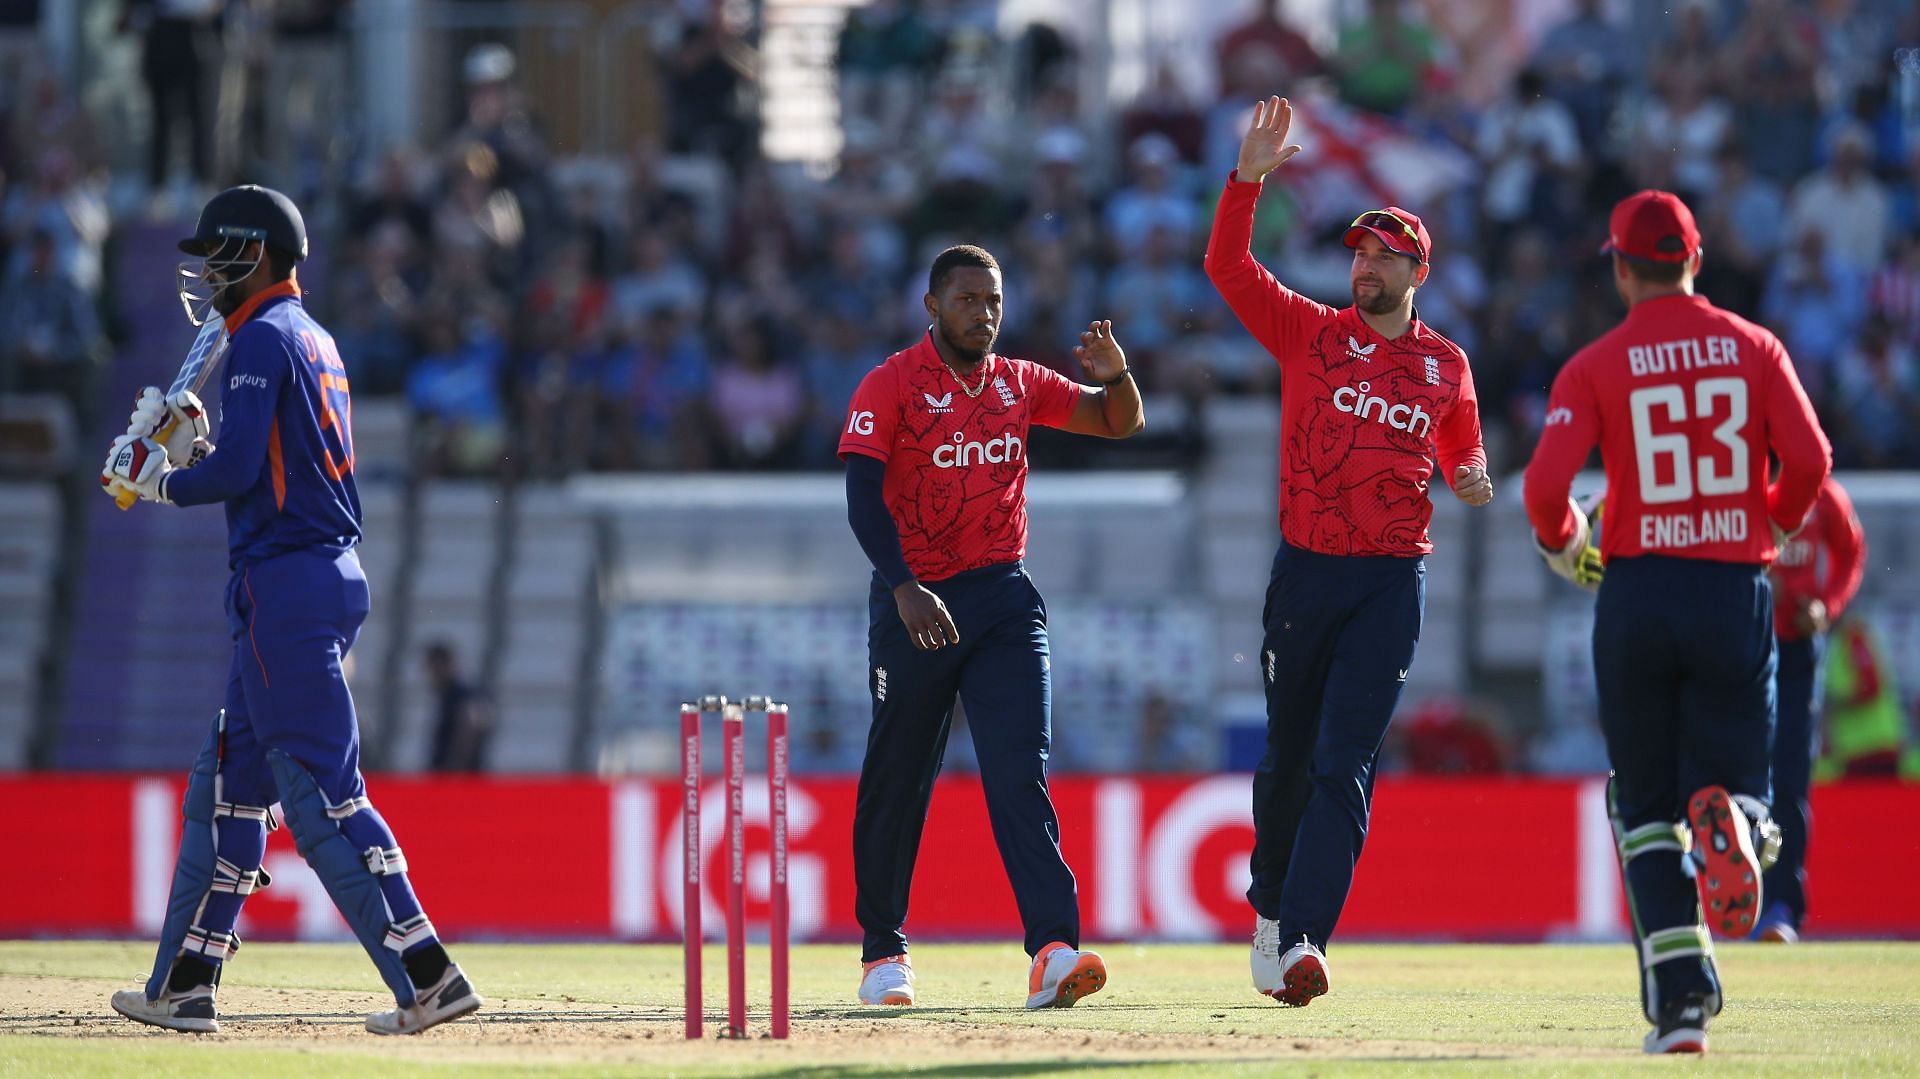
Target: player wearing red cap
(1685, 401)
(1370, 397)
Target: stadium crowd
(699, 306)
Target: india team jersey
(283, 458)
(1685, 402)
(956, 479)
(1823, 561)
(1362, 418)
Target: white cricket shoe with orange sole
(1293, 978)
(887, 981)
(1060, 976)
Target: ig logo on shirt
(860, 423)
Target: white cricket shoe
(449, 998)
(1060, 976)
(887, 981)
(190, 1010)
(1293, 978)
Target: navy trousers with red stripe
(293, 619)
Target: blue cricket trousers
(1799, 690)
(1340, 636)
(999, 670)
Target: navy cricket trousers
(999, 670)
(1340, 636)
(1683, 660)
(1799, 690)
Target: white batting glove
(1579, 561)
(139, 465)
(182, 419)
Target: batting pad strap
(348, 808)
(230, 878)
(383, 861)
(404, 935)
(219, 947)
(1661, 835)
(263, 814)
(1676, 943)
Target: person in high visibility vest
(1865, 729)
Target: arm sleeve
(1572, 430)
(1053, 396)
(1279, 318)
(1457, 440)
(872, 525)
(871, 416)
(1846, 545)
(257, 368)
(1793, 431)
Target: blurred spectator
(1743, 222)
(460, 418)
(179, 53)
(477, 221)
(1164, 108)
(880, 55)
(374, 296)
(657, 276)
(1531, 150)
(50, 340)
(1267, 41)
(1769, 70)
(1815, 302)
(654, 384)
(498, 119)
(1852, 50)
(395, 198)
(961, 137)
(758, 401)
(463, 716)
(871, 193)
(1586, 61)
(1674, 143)
(1904, 203)
(68, 210)
(841, 355)
(1154, 201)
(1172, 742)
(1058, 207)
(1692, 45)
(563, 320)
(712, 100)
(1383, 58)
(45, 116)
(1845, 203)
(1895, 292)
(1875, 409)
(1154, 293)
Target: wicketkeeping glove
(136, 464)
(1579, 561)
(178, 422)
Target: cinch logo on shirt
(1797, 552)
(1359, 351)
(1409, 418)
(256, 381)
(1558, 416)
(994, 451)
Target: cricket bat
(205, 355)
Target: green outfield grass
(1170, 1010)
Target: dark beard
(1384, 302)
(966, 354)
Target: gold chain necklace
(973, 391)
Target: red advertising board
(1155, 857)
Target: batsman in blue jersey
(295, 603)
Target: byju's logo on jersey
(994, 451)
(258, 382)
(1359, 351)
(937, 405)
(1360, 402)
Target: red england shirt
(1685, 402)
(1362, 418)
(1824, 561)
(956, 481)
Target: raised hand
(1266, 148)
(1099, 353)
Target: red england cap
(1652, 225)
(1399, 230)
